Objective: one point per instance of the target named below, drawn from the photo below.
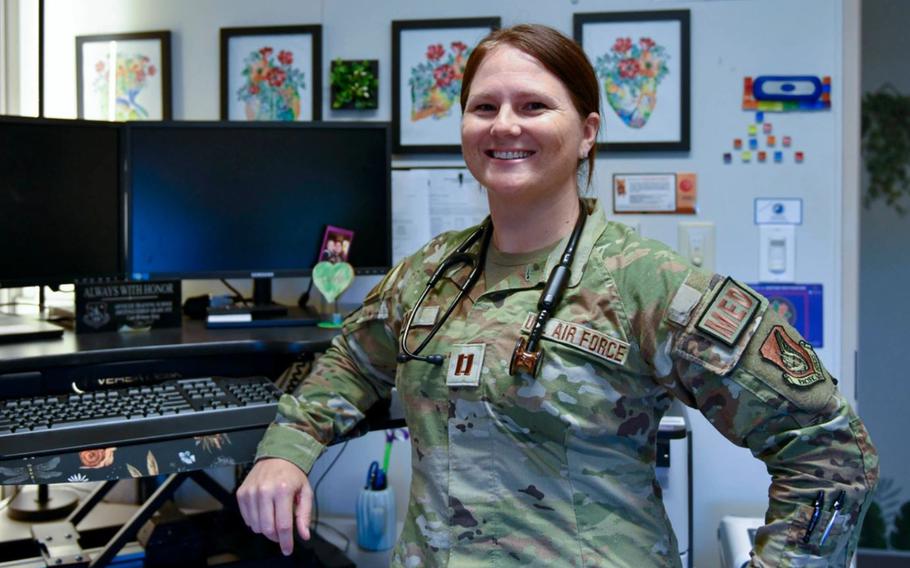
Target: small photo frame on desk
(122, 77)
(336, 244)
(428, 60)
(271, 73)
(642, 64)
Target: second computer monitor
(218, 200)
(59, 201)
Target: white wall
(730, 39)
(20, 51)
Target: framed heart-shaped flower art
(642, 64)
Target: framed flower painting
(271, 73)
(428, 60)
(124, 76)
(642, 64)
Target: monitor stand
(262, 313)
(263, 306)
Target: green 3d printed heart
(332, 279)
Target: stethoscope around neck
(527, 354)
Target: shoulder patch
(717, 331)
(729, 313)
(798, 361)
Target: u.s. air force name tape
(584, 338)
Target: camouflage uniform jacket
(558, 470)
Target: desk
(50, 366)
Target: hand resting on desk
(274, 497)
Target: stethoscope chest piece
(523, 360)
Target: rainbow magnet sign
(786, 93)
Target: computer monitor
(60, 208)
(222, 199)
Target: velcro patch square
(685, 299)
(729, 314)
(465, 365)
(425, 316)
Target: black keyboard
(170, 409)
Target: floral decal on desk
(273, 85)
(98, 458)
(139, 460)
(631, 73)
(212, 442)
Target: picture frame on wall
(141, 86)
(428, 60)
(642, 64)
(271, 73)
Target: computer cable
(237, 295)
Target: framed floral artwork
(271, 73)
(124, 76)
(428, 60)
(642, 64)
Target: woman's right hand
(274, 497)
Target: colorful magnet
(747, 156)
(772, 140)
(786, 93)
(728, 158)
(787, 141)
(737, 144)
(766, 128)
(799, 156)
(759, 117)
(753, 143)
(752, 130)
(762, 156)
(778, 157)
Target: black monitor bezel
(127, 212)
(68, 278)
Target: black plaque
(121, 306)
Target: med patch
(729, 313)
(797, 360)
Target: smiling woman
(559, 341)
(525, 132)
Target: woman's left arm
(718, 347)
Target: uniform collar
(594, 227)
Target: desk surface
(47, 366)
(191, 340)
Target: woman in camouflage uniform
(551, 462)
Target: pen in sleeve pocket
(838, 505)
(817, 506)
